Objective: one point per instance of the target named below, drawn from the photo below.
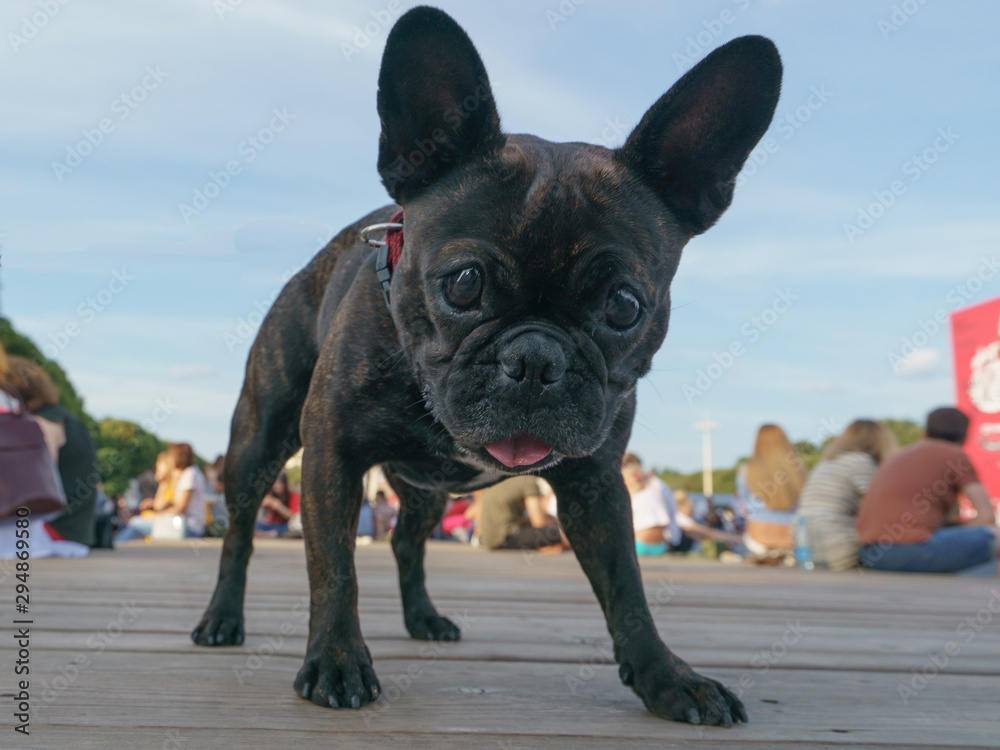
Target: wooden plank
(558, 580)
(529, 672)
(814, 654)
(675, 611)
(61, 737)
(514, 702)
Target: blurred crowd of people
(866, 503)
(869, 503)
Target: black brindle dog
(532, 291)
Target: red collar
(387, 257)
(394, 238)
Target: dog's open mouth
(521, 449)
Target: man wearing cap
(907, 518)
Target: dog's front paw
(219, 627)
(339, 676)
(430, 626)
(672, 690)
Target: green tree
(124, 450)
(808, 453)
(906, 431)
(723, 480)
(22, 346)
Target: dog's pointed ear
(690, 146)
(434, 101)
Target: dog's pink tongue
(519, 450)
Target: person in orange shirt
(906, 521)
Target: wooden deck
(821, 656)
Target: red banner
(975, 338)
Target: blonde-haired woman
(141, 525)
(833, 492)
(768, 486)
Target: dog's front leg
(595, 510)
(338, 666)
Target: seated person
(183, 496)
(366, 523)
(906, 521)
(832, 495)
(692, 531)
(140, 525)
(216, 512)
(503, 523)
(189, 492)
(768, 486)
(276, 509)
(71, 445)
(456, 523)
(384, 515)
(654, 511)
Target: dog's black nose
(533, 356)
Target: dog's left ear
(692, 143)
(434, 101)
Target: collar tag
(389, 250)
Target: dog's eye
(622, 308)
(463, 288)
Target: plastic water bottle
(803, 552)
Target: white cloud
(921, 362)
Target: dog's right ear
(434, 101)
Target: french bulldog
(530, 293)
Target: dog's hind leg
(419, 512)
(264, 434)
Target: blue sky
(889, 121)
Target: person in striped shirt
(833, 492)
